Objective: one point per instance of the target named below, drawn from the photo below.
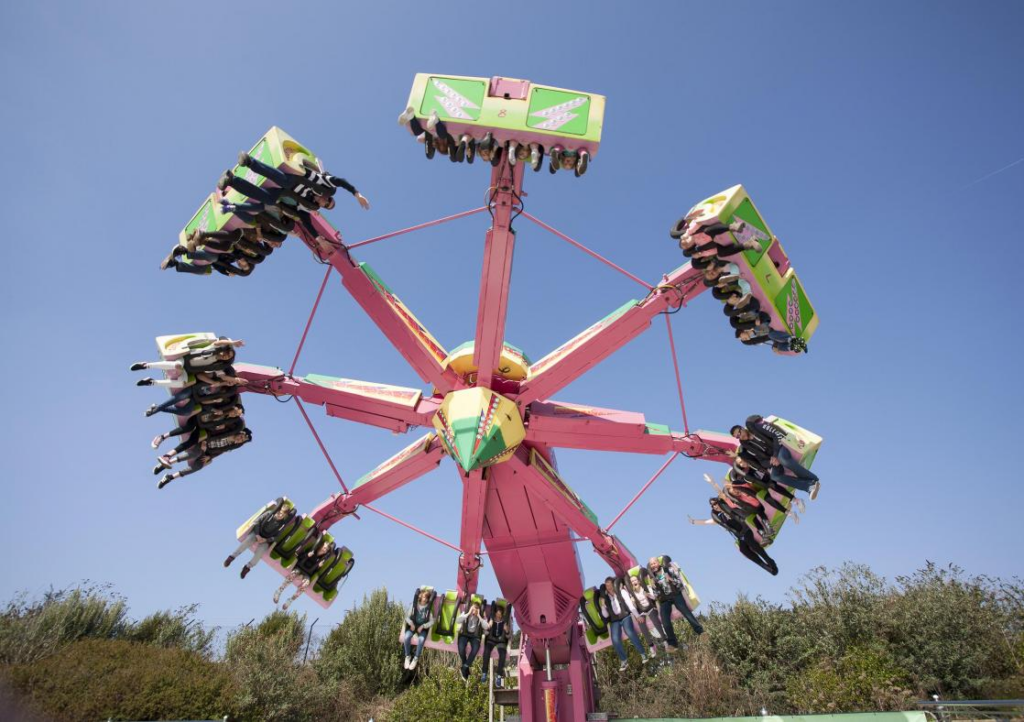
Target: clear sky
(871, 135)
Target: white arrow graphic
(454, 102)
(558, 115)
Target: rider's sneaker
(407, 115)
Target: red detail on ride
(586, 250)
(675, 365)
(644, 489)
(309, 321)
(407, 525)
(323, 448)
(421, 226)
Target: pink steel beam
(407, 409)
(573, 426)
(566, 363)
(403, 330)
(474, 496)
(569, 509)
(402, 468)
(507, 182)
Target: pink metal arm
(542, 481)
(474, 497)
(573, 358)
(574, 426)
(389, 407)
(407, 465)
(396, 322)
(507, 182)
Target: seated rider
(417, 623)
(201, 392)
(612, 607)
(306, 567)
(670, 590)
(263, 532)
(642, 602)
(758, 432)
(473, 626)
(496, 638)
(215, 420)
(745, 540)
(319, 182)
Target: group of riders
(205, 399)
(477, 623)
(312, 557)
(640, 604)
(708, 245)
(270, 212)
(465, 148)
(762, 463)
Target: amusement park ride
(487, 406)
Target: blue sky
(862, 131)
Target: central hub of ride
(479, 427)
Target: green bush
(866, 679)
(33, 629)
(272, 684)
(95, 679)
(441, 696)
(364, 649)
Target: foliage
(102, 678)
(847, 640)
(690, 683)
(865, 679)
(272, 683)
(442, 696)
(34, 629)
(363, 650)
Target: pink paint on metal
(611, 336)
(474, 498)
(340, 403)
(527, 518)
(507, 182)
(393, 325)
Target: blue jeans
(407, 643)
(177, 398)
(473, 643)
(262, 195)
(616, 632)
(284, 180)
(787, 461)
(665, 610)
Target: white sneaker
(432, 121)
(412, 664)
(654, 651)
(799, 504)
(814, 490)
(624, 666)
(406, 116)
(406, 662)
(644, 659)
